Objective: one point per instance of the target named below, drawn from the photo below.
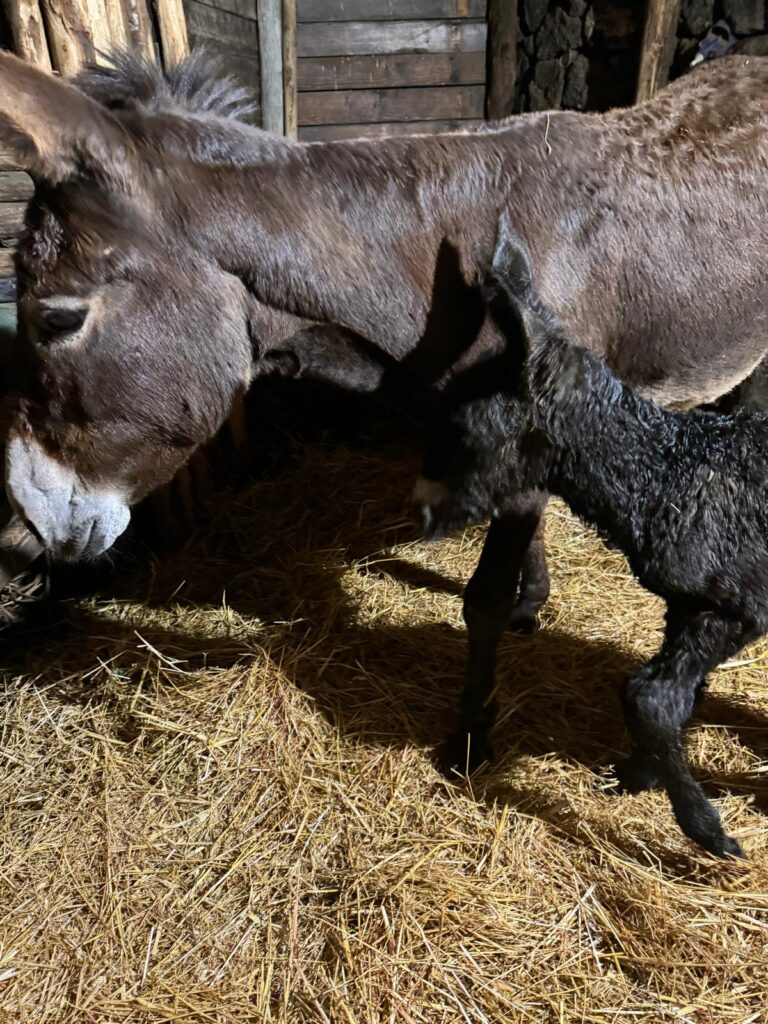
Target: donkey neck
(385, 238)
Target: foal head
(479, 454)
(131, 345)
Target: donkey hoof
(464, 753)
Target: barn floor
(218, 803)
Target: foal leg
(534, 584)
(489, 601)
(659, 701)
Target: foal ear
(53, 129)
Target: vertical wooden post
(117, 21)
(69, 35)
(501, 59)
(290, 82)
(140, 29)
(28, 32)
(271, 65)
(657, 47)
(172, 23)
(237, 428)
(98, 22)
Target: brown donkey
(170, 249)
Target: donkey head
(131, 345)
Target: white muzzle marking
(72, 520)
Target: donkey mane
(199, 84)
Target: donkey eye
(64, 321)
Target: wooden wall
(385, 67)
(230, 28)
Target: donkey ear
(53, 129)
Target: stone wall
(552, 66)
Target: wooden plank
(69, 35)
(242, 8)
(391, 71)
(290, 76)
(172, 25)
(337, 132)
(502, 59)
(358, 37)
(117, 20)
(15, 186)
(271, 65)
(11, 219)
(233, 34)
(140, 33)
(8, 159)
(242, 66)
(363, 106)
(8, 316)
(657, 47)
(28, 32)
(388, 10)
(108, 26)
(7, 265)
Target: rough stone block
(745, 16)
(576, 91)
(546, 90)
(698, 15)
(559, 33)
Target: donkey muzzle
(71, 519)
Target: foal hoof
(724, 847)
(633, 775)
(522, 621)
(464, 753)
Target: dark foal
(682, 494)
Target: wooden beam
(28, 32)
(501, 56)
(140, 34)
(7, 265)
(389, 10)
(390, 71)
(15, 187)
(366, 37)
(290, 76)
(69, 35)
(11, 219)
(271, 65)
(657, 47)
(172, 24)
(117, 23)
(96, 14)
(8, 316)
(363, 106)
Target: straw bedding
(219, 805)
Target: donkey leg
(660, 699)
(534, 584)
(489, 600)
